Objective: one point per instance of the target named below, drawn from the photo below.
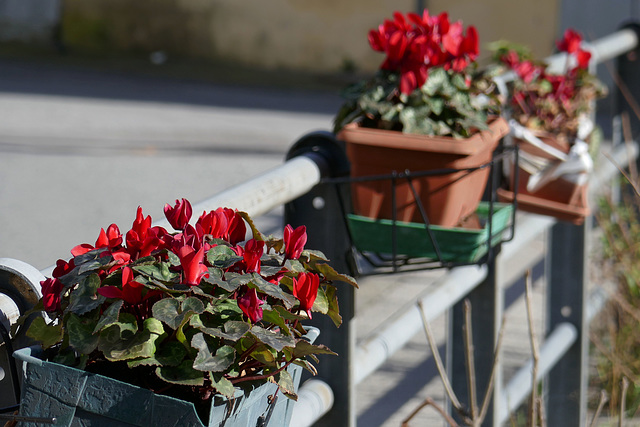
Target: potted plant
(551, 122)
(427, 108)
(140, 328)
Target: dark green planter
(456, 244)
(79, 398)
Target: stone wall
(323, 36)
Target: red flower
(131, 291)
(192, 265)
(294, 241)
(62, 268)
(51, 289)
(139, 231)
(252, 253)
(236, 230)
(250, 304)
(583, 57)
(106, 239)
(415, 45)
(178, 215)
(570, 43)
(305, 288)
(214, 223)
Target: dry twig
(533, 416)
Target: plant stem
(261, 377)
(623, 398)
(429, 401)
(601, 402)
(470, 361)
(436, 355)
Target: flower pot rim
(354, 133)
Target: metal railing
(299, 185)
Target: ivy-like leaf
(334, 310)
(183, 374)
(304, 348)
(80, 333)
(273, 290)
(110, 316)
(274, 317)
(285, 382)
(122, 341)
(206, 361)
(47, 335)
(321, 305)
(222, 256)
(171, 353)
(222, 385)
(273, 339)
(233, 330)
(158, 271)
(84, 298)
(174, 312)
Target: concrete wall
(28, 20)
(326, 36)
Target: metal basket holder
(379, 263)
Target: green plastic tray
(456, 244)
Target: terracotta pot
(560, 198)
(447, 198)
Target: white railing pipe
(315, 398)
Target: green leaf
(285, 382)
(158, 271)
(264, 355)
(47, 335)
(334, 310)
(330, 274)
(234, 330)
(80, 333)
(206, 361)
(183, 374)
(222, 385)
(122, 341)
(233, 280)
(272, 316)
(222, 256)
(435, 82)
(171, 353)
(273, 290)
(174, 313)
(254, 230)
(109, 316)
(321, 305)
(304, 348)
(273, 339)
(84, 298)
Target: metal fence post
(566, 297)
(487, 302)
(320, 211)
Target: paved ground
(80, 149)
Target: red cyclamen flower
(570, 43)
(305, 288)
(62, 268)
(250, 304)
(294, 241)
(214, 223)
(131, 291)
(51, 289)
(178, 215)
(192, 265)
(106, 239)
(252, 253)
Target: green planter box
(79, 398)
(456, 244)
